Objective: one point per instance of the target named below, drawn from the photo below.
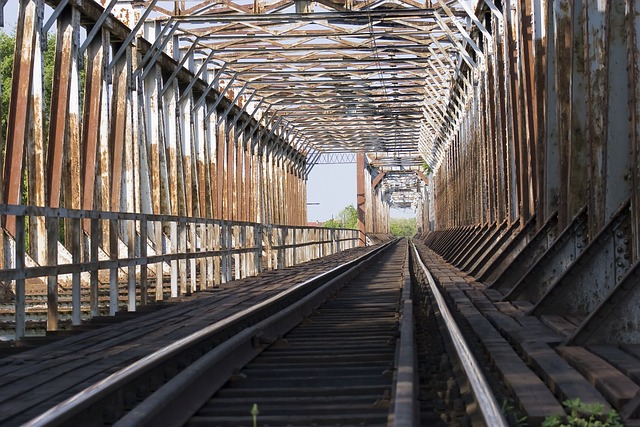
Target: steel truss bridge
(172, 143)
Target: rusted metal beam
(22, 98)
(91, 121)
(361, 198)
(377, 180)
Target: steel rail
(404, 397)
(193, 387)
(85, 399)
(487, 402)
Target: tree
(346, 218)
(7, 48)
(403, 227)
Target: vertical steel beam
(27, 38)
(619, 144)
(91, 121)
(119, 129)
(220, 171)
(361, 198)
(71, 158)
(633, 29)
(230, 175)
(211, 134)
(59, 107)
(239, 186)
(596, 46)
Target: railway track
(337, 367)
(335, 350)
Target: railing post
(174, 262)
(295, 247)
(159, 243)
(244, 267)
(204, 262)
(113, 271)
(228, 254)
(217, 274)
(258, 242)
(182, 249)
(131, 269)
(192, 261)
(224, 247)
(20, 283)
(76, 255)
(238, 259)
(281, 237)
(207, 245)
(143, 267)
(52, 226)
(94, 302)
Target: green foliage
(427, 169)
(583, 415)
(403, 227)
(513, 416)
(332, 223)
(7, 48)
(347, 218)
(49, 62)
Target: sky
(10, 14)
(333, 187)
(330, 188)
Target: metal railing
(142, 257)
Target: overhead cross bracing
(356, 76)
(353, 76)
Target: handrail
(140, 243)
(487, 403)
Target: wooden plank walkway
(33, 381)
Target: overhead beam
(377, 179)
